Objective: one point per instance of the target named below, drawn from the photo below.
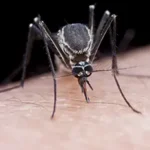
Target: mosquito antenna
(99, 70)
(112, 69)
(65, 75)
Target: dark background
(16, 17)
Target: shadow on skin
(10, 88)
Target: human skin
(103, 124)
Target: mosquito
(76, 45)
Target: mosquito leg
(12, 75)
(125, 99)
(33, 31)
(54, 77)
(91, 18)
(114, 63)
(54, 45)
(102, 29)
(112, 32)
(44, 35)
(33, 34)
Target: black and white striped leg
(114, 62)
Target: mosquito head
(82, 70)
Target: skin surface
(103, 124)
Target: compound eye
(77, 71)
(88, 70)
(87, 73)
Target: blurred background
(16, 16)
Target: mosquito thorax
(75, 41)
(82, 69)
